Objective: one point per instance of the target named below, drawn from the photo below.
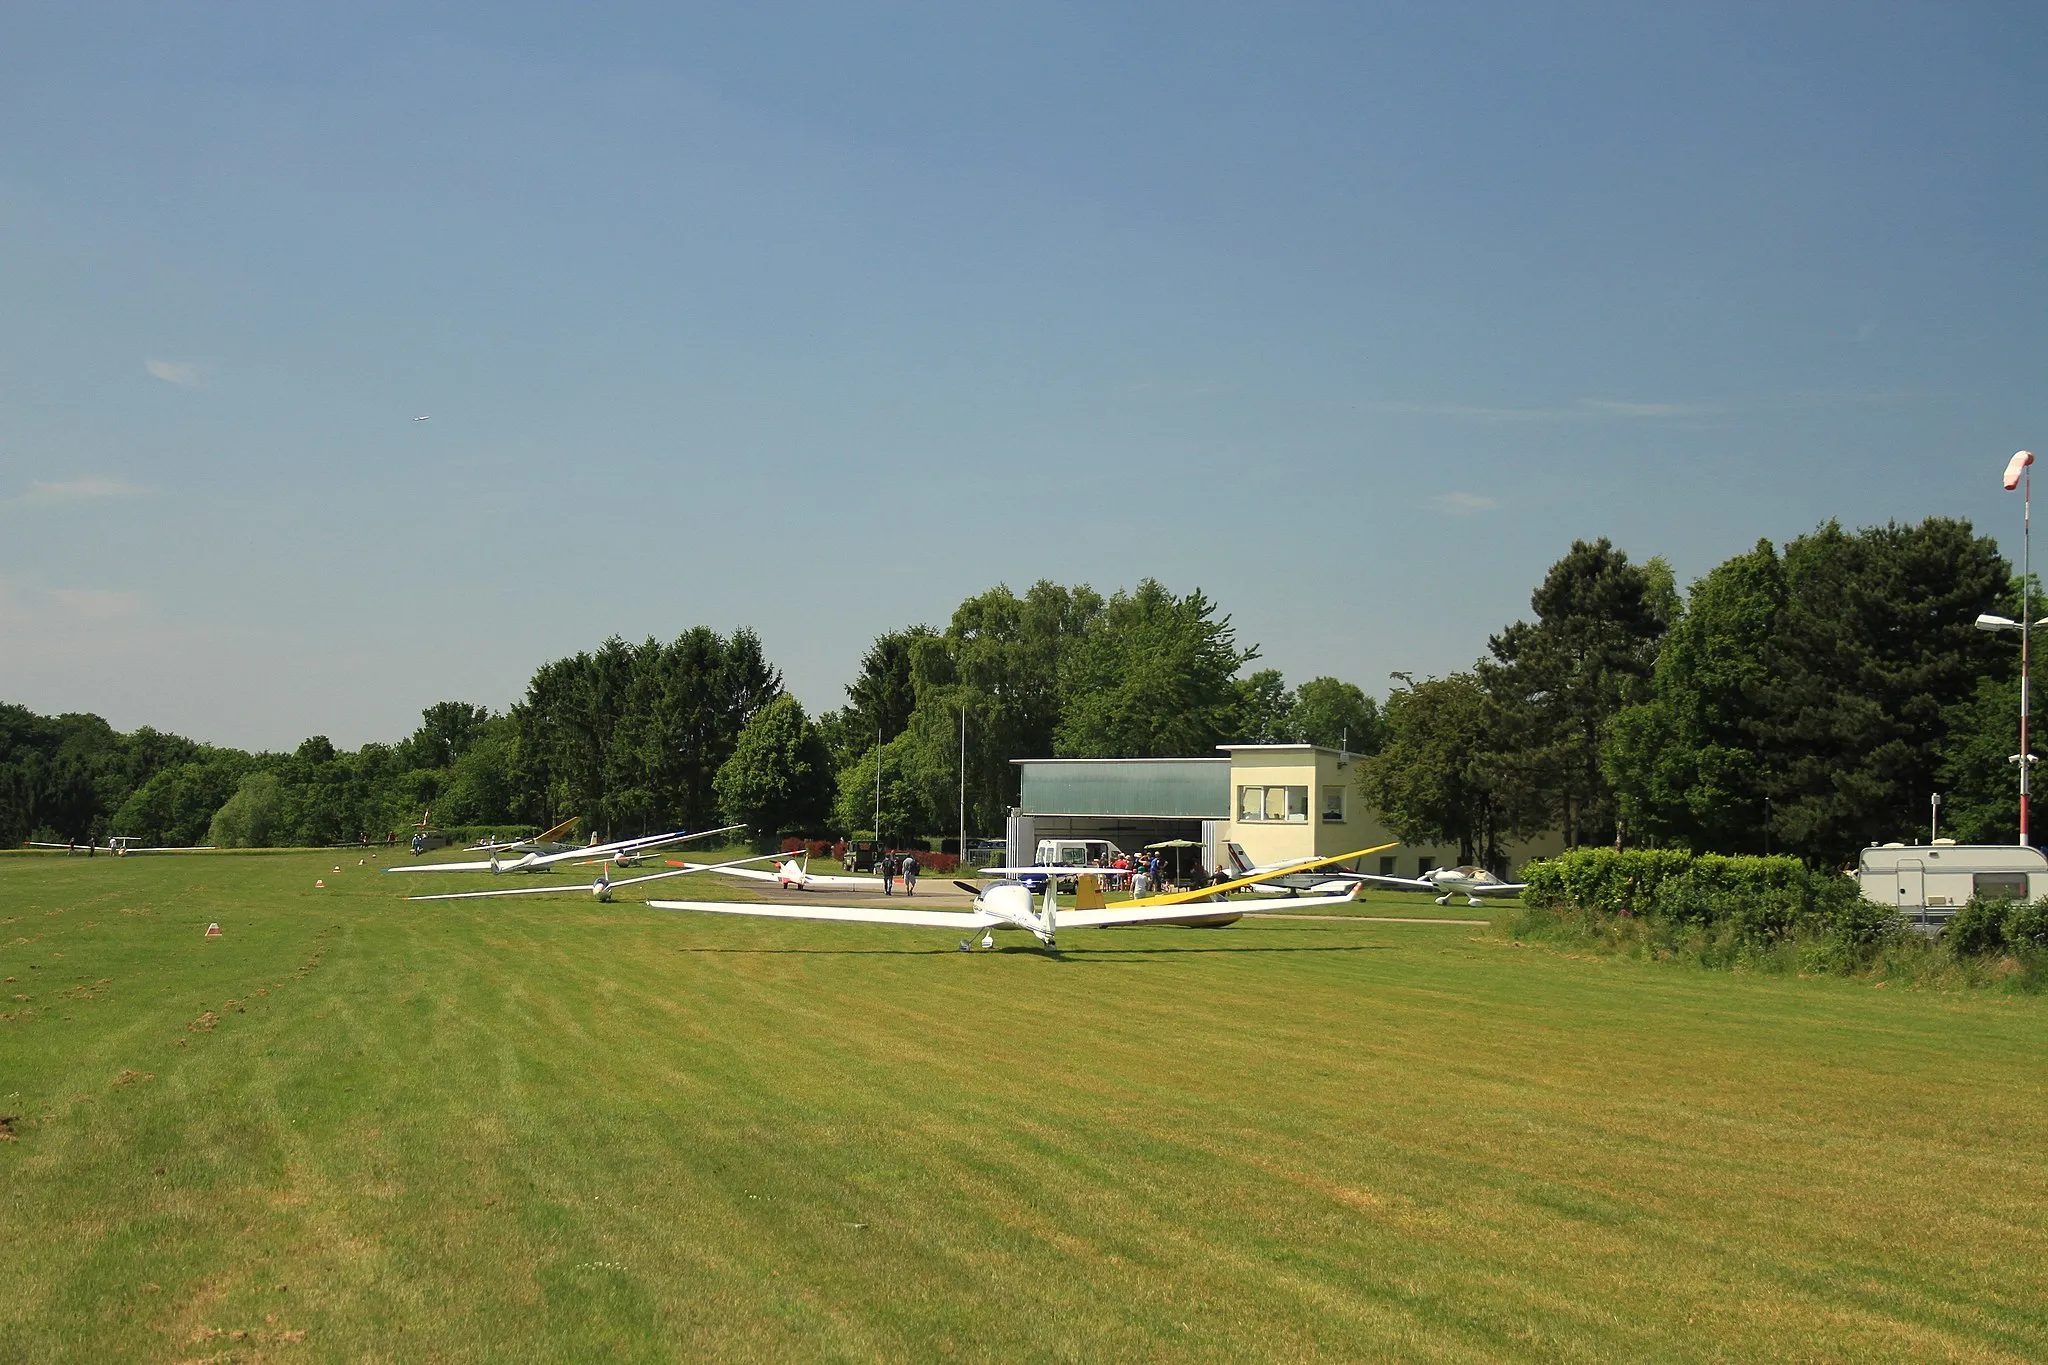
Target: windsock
(2015, 467)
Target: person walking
(910, 874)
(888, 874)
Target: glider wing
(924, 919)
(1264, 875)
(1115, 915)
(1398, 883)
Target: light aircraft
(547, 841)
(789, 874)
(601, 889)
(1469, 882)
(1290, 877)
(1009, 905)
(531, 862)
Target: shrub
(1602, 880)
(2026, 926)
(1839, 906)
(1738, 900)
(1978, 928)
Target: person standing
(910, 873)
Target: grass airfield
(541, 1128)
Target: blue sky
(820, 319)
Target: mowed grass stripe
(553, 1129)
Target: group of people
(894, 865)
(1147, 872)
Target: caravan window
(2000, 886)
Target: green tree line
(699, 731)
(1801, 699)
(1804, 699)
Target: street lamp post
(2018, 474)
(963, 788)
(2024, 759)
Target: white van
(1927, 883)
(1076, 853)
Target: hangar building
(1279, 802)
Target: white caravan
(1927, 883)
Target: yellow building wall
(1286, 841)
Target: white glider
(1469, 882)
(547, 841)
(120, 845)
(1006, 905)
(623, 849)
(601, 889)
(788, 874)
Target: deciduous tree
(779, 778)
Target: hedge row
(1986, 928)
(1760, 899)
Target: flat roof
(1282, 748)
(1119, 760)
(1146, 788)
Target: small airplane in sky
(533, 862)
(1010, 905)
(423, 419)
(601, 889)
(1469, 882)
